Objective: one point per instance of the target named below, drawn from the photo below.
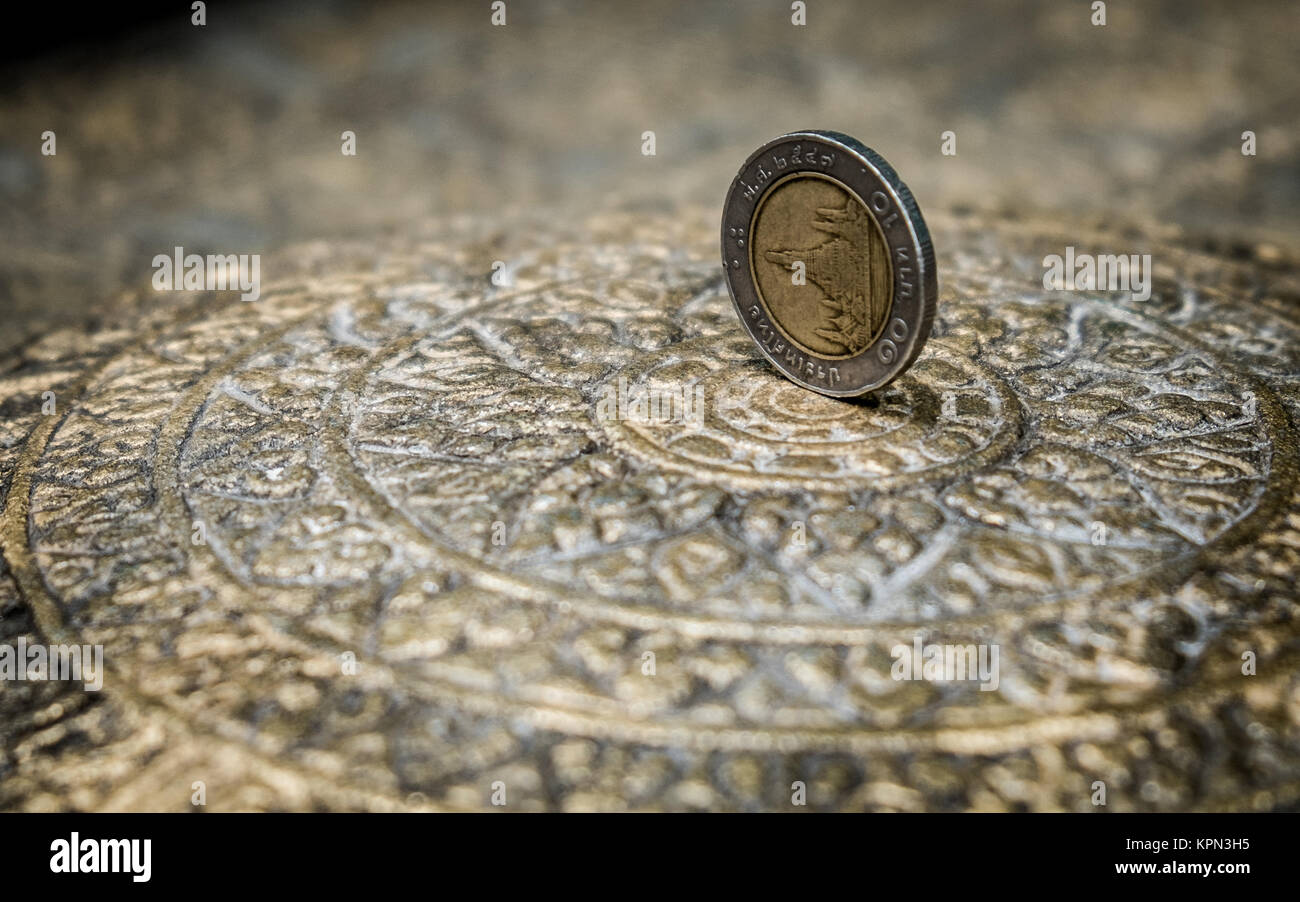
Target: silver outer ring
(916, 284)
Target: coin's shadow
(870, 400)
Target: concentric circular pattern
(390, 462)
(757, 434)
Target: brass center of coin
(836, 303)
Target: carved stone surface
(391, 460)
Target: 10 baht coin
(829, 262)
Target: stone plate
(373, 541)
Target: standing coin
(829, 262)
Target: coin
(829, 262)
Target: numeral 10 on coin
(887, 350)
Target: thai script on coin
(829, 262)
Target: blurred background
(226, 137)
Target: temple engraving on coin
(831, 292)
(845, 276)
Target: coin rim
(926, 281)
